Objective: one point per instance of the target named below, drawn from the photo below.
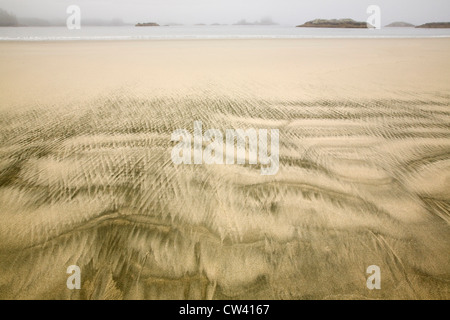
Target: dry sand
(86, 176)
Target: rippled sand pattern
(361, 182)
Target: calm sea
(207, 32)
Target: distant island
(399, 24)
(8, 19)
(263, 22)
(147, 24)
(435, 25)
(333, 23)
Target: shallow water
(209, 32)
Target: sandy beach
(86, 176)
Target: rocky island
(147, 24)
(400, 25)
(435, 25)
(333, 23)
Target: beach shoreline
(86, 176)
(371, 68)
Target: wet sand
(86, 176)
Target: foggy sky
(285, 12)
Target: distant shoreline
(334, 23)
(130, 33)
(435, 25)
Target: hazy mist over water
(287, 12)
(209, 32)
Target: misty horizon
(171, 12)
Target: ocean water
(207, 32)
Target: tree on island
(7, 19)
